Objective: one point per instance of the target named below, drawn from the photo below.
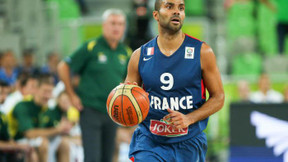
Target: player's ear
(156, 15)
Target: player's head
(114, 23)
(169, 14)
(4, 91)
(44, 89)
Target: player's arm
(132, 70)
(213, 83)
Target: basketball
(127, 105)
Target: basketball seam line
(122, 105)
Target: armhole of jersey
(201, 44)
(203, 87)
(140, 59)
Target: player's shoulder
(193, 39)
(150, 43)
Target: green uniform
(51, 117)
(4, 135)
(100, 68)
(27, 116)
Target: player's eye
(168, 6)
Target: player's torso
(173, 82)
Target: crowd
(39, 121)
(264, 94)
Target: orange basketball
(127, 105)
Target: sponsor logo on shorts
(161, 128)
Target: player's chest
(165, 74)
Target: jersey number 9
(168, 81)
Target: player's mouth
(175, 20)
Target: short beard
(169, 28)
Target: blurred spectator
(1, 54)
(27, 115)
(64, 109)
(9, 150)
(139, 19)
(28, 63)
(265, 94)
(26, 86)
(83, 6)
(101, 64)
(51, 66)
(282, 21)
(4, 92)
(8, 70)
(286, 94)
(243, 91)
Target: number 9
(167, 80)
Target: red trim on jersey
(132, 159)
(203, 90)
(192, 37)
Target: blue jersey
(173, 82)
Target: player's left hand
(177, 119)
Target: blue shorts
(143, 149)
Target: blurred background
(244, 35)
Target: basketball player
(175, 70)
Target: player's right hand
(76, 101)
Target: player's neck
(169, 43)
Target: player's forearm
(48, 132)
(64, 74)
(214, 104)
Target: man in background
(265, 94)
(101, 64)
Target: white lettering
(174, 103)
(155, 126)
(160, 128)
(157, 103)
(167, 128)
(181, 102)
(152, 99)
(165, 104)
(189, 102)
